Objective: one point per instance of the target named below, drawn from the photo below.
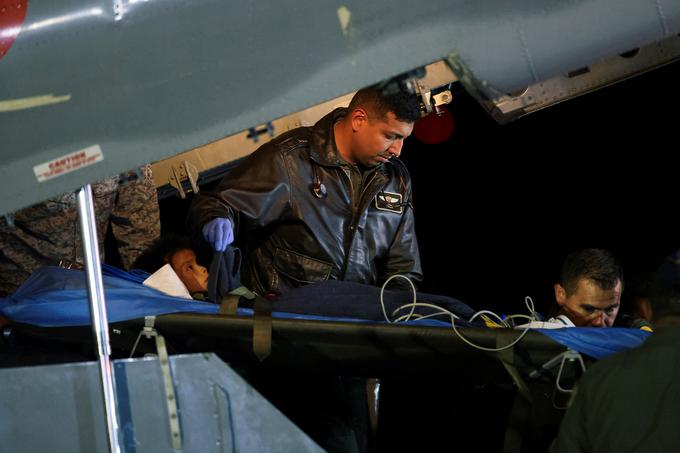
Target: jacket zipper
(355, 216)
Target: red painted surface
(12, 15)
(433, 129)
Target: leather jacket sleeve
(258, 188)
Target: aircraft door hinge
(182, 173)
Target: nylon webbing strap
(229, 304)
(149, 331)
(170, 399)
(262, 328)
(508, 358)
(514, 431)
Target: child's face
(193, 275)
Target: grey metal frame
(100, 324)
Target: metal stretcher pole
(100, 324)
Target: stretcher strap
(229, 304)
(262, 328)
(170, 398)
(149, 331)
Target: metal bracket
(254, 132)
(431, 101)
(149, 331)
(184, 171)
(425, 98)
(570, 356)
(441, 98)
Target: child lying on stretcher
(172, 258)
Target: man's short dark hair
(597, 265)
(405, 106)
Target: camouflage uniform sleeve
(135, 220)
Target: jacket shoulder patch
(389, 201)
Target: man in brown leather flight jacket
(331, 201)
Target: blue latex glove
(219, 233)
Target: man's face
(590, 305)
(193, 275)
(376, 140)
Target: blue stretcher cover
(56, 297)
(597, 342)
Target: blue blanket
(56, 297)
(597, 342)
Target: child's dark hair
(161, 251)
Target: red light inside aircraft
(434, 128)
(12, 15)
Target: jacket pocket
(301, 268)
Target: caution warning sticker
(68, 163)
